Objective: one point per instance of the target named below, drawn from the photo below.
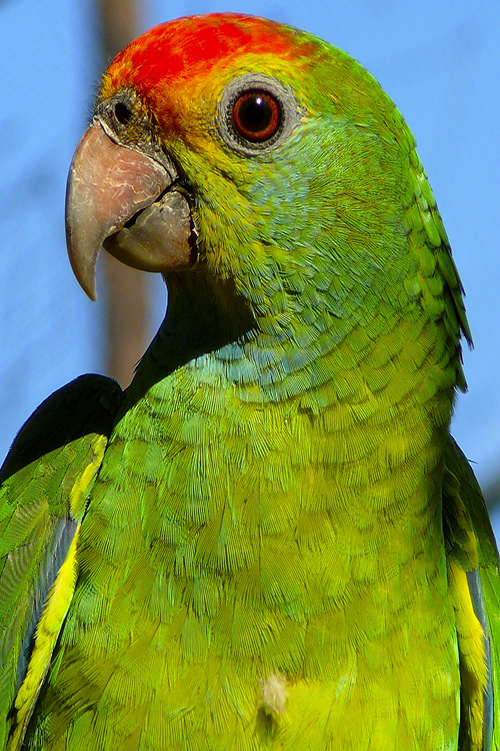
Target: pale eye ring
(256, 113)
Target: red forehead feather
(187, 46)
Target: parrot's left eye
(256, 113)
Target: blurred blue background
(438, 59)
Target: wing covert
(44, 483)
(473, 573)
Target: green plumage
(282, 548)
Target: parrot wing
(44, 485)
(472, 560)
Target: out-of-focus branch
(126, 289)
(120, 23)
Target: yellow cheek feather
(472, 645)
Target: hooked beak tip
(83, 262)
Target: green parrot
(270, 539)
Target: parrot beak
(129, 202)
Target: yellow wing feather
(47, 632)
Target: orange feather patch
(194, 45)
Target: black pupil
(256, 113)
(122, 113)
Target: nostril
(122, 113)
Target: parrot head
(269, 166)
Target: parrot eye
(256, 116)
(256, 113)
